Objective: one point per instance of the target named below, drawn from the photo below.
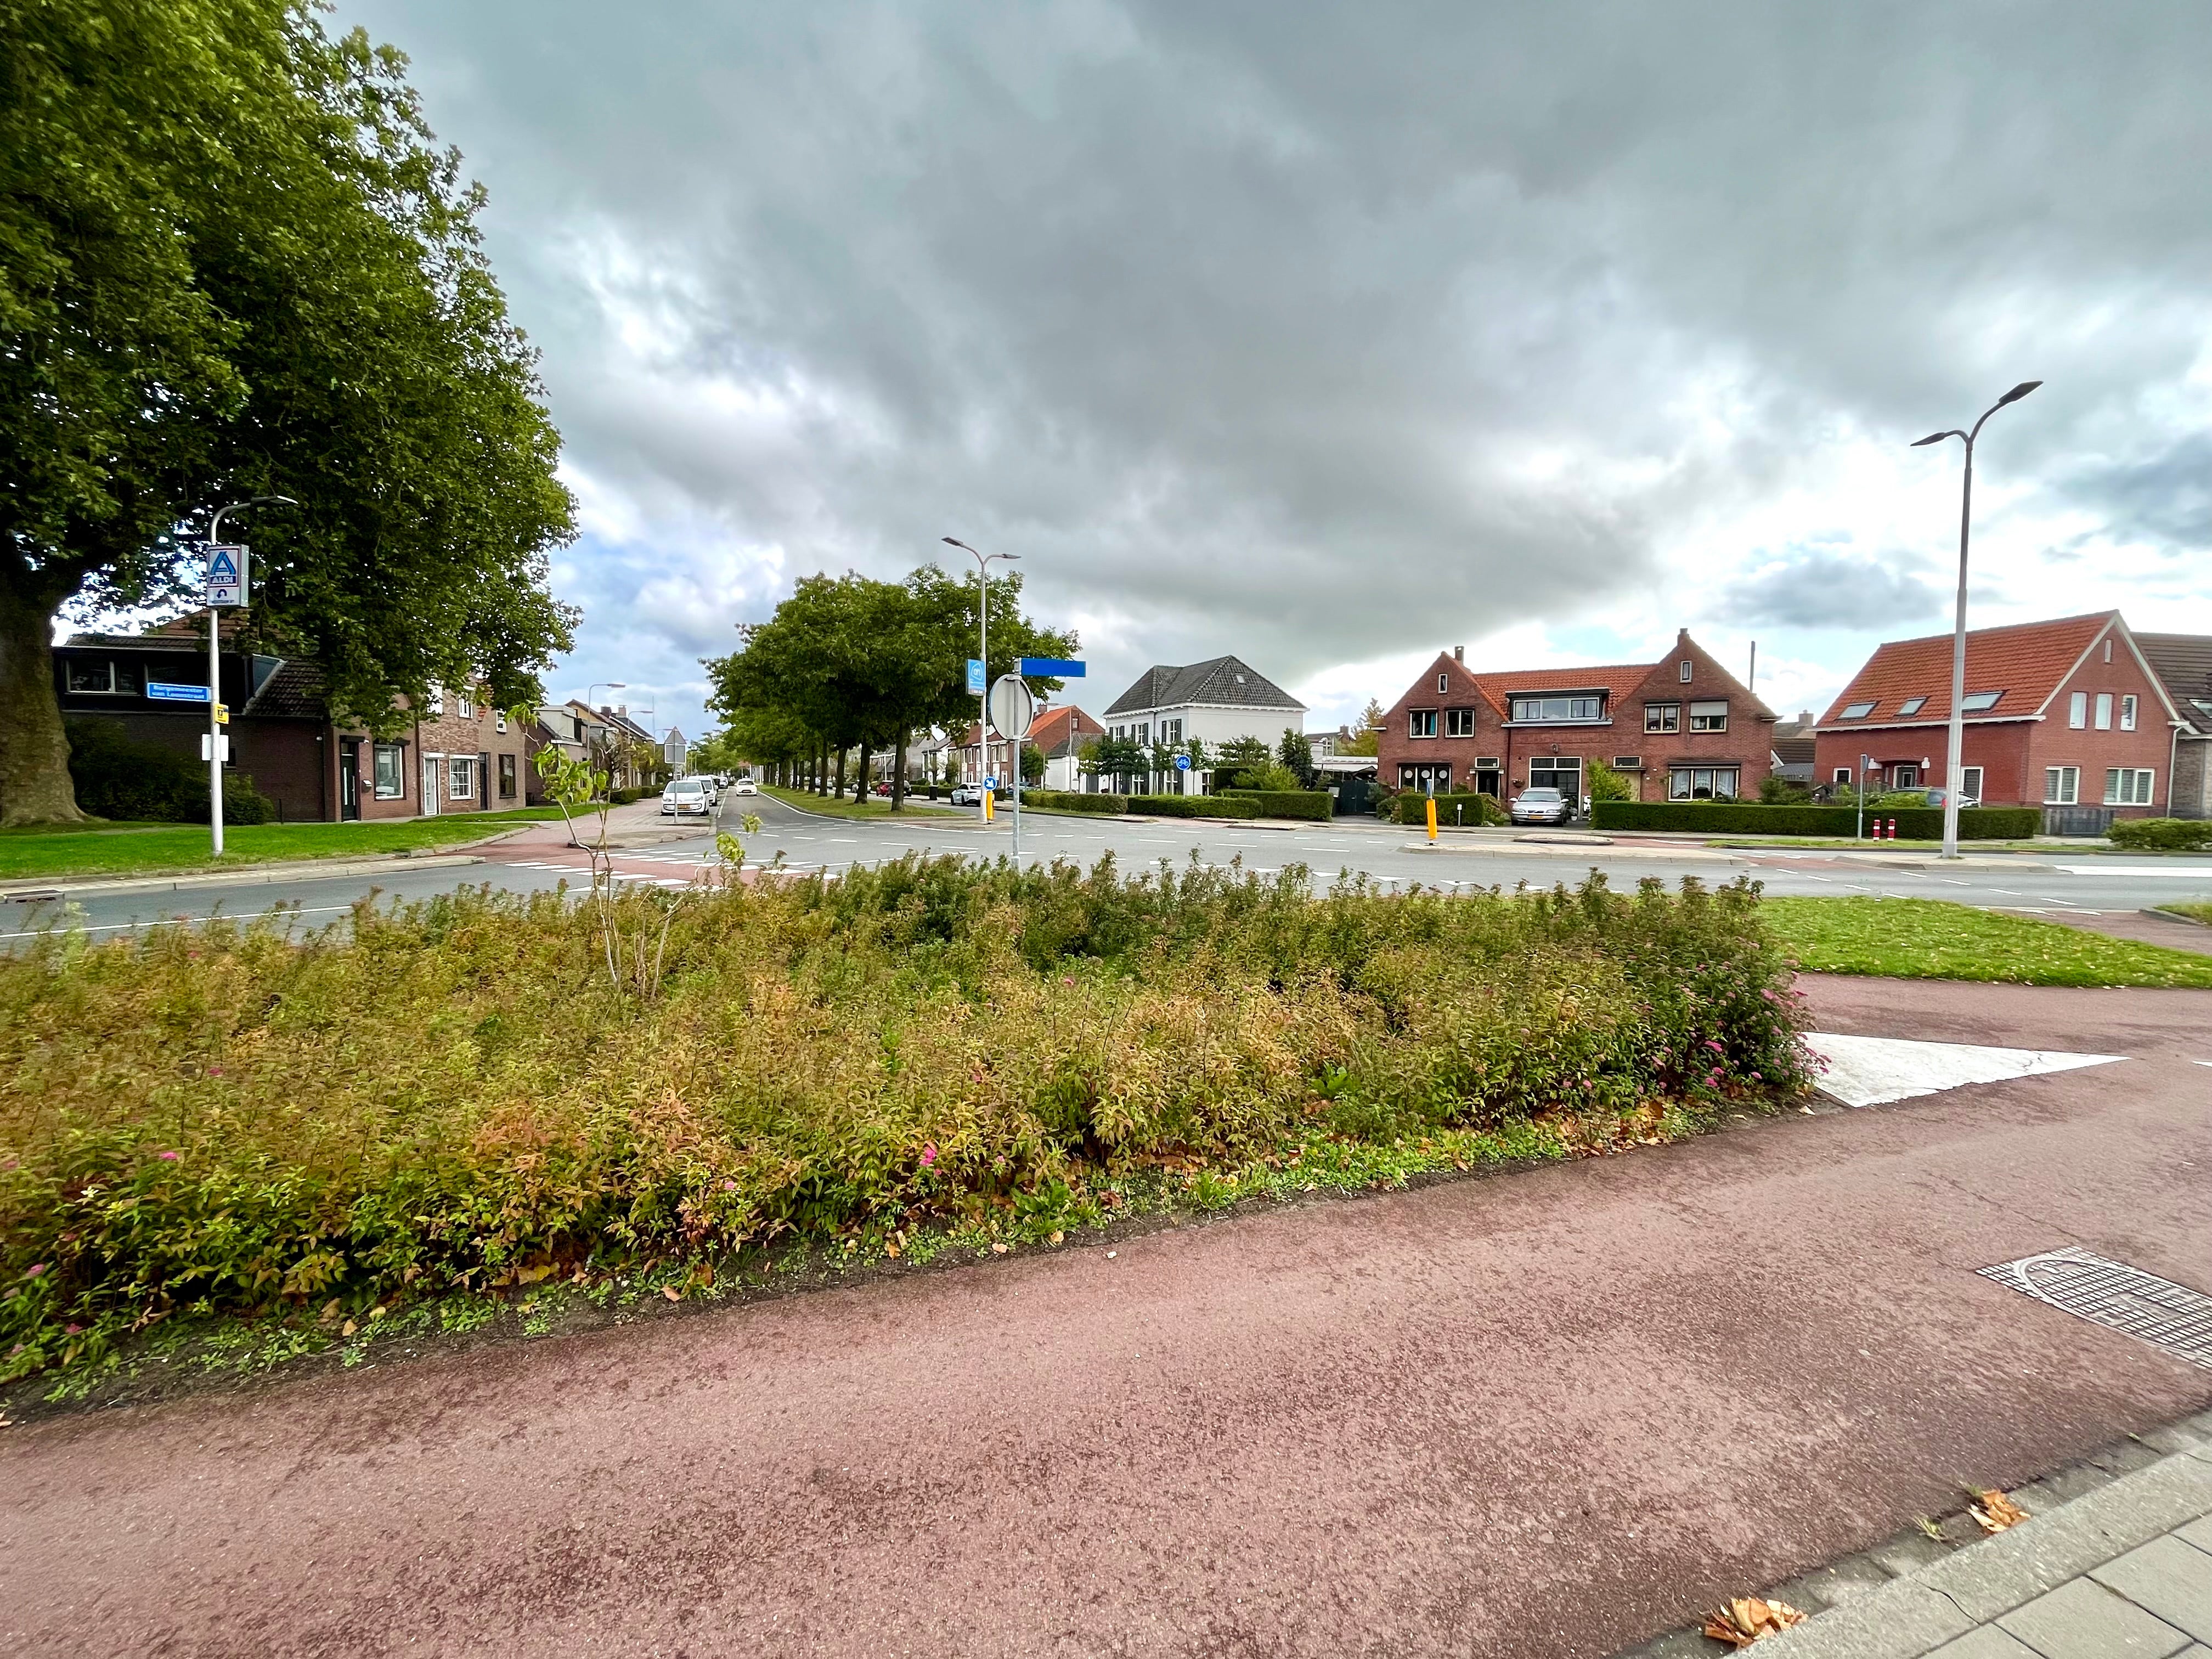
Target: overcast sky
(1333, 335)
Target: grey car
(1539, 804)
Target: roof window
(1912, 705)
(1979, 700)
(1858, 711)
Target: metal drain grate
(2169, 1317)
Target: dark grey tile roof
(1221, 681)
(296, 691)
(2184, 662)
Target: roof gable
(1223, 681)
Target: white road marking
(1864, 1071)
(2197, 872)
(168, 921)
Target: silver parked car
(1541, 805)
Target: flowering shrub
(453, 1093)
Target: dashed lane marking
(1864, 1071)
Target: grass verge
(2194, 911)
(1928, 939)
(453, 1098)
(837, 806)
(106, 850)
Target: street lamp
(1958, 627)
(983, 651)
(215, 669)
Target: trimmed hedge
(1070, 801)
(2161, 834)
(1194, 806)
(1471, 806)
(1837, 823)
(1313, 804)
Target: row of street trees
(234, 262)
(848, 663)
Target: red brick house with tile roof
(1681, 728)
(2065, 715)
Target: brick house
(455, 754)
(2064, 714)
(2183, 663)
(1682, 728)
(1060, 734)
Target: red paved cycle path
(1545, 1415)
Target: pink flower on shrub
(170, 1158)
(929, 1155)
(72, 1330)
(1713, 1045)
(729, 1186)
(34, 1270)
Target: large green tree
(234, 262)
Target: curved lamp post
(1958, 744)
(215, 671)
(983, 650)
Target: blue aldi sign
(975, 686)
(225, 575)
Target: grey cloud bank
(1325, 335)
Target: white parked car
(966, 795)
(744, 786)
(687, 797)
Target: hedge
(1468, 808)
(1194, 806)
(1313, 804)
(2162, 835)
(1841, 823)
(1069, 800)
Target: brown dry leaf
(671, 1293)
(1751, 1619)
(1993, 1512)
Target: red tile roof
(1617, 680)
(2027, 661)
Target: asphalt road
(2080, 881)
(1539, 1415)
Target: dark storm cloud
(1305, 331)
(2165, 500)
(1827, 589)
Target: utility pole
(220, 597)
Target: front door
(349, 778)
(433, 767)
(1487, 780)
(484, 782)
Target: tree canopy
(234, 262)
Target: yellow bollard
(1433, 817)
(987, 796)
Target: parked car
(966, 795)
(882, 789)
(1935, 799)
(687, 797)
(1541, 805)
(744, 786)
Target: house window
(464, 707)
(2104, 711)
(506, 777)
(1704, 782)
(1911, 706)
(1558, 709)
(1980, 703)
(2108, 651)
(1971, 788)
(460, 777)
(1421, 723)
(2062, 786)
(1858, 711)
(1171, 733)
(2128, 786)
(1459, 722)
(499, 720)
(1708, 717)
(388, 771)
(2128, 713)
(2077, 711)
(93, 679)
(1843, 774)
(1686, 671)
(1561, 772)
(1662, 716)
(1443, 682)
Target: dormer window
(1558, 708)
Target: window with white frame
(1662, 716)
(1843, 774)
(2062, 786)
(389, 771)
(499, 720)
(460, 777)
(1558, 708)
(1980, 703)
(95, 678)
(465, 705)
(1443, 682)
(1970, 785)
(1686, 671)
(1911, 706)
(1708, 717)
(2128, 713)
(1459, 722)
(1701, 783)
(435, 704)
(2104, 711)
(1421, 723)
(2129, 786)
(2077, 712)
(1856, 711)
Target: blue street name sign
(1050, 668)
(160, 692)
(974, 678)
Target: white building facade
(1213, 703)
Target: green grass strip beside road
(1927, 939)
(833, 806)
(2195, 912)
(177, 848)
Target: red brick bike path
(1545, 1415)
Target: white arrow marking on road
(1865, 1071)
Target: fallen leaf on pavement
(1995, 1512)
(1751, 1619)
(671, 1293)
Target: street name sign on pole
(1049, 668)
(1013, 709)
(225, 575)
(163, 691)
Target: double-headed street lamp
(1958, 626)
(983, 650)
(215, 711)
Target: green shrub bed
(2161, 834)
(1070, 801)
(1310, 804)
(452, 1097)
(1195, 806)
(1469, 808)
(1750, 818)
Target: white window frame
(1842, 775)
(1980, 703)
(1662, 717)
(1970, 786)
(2130, 786)
(1855, 711)
(1686, 671)
(465, 705)
(1420, 723)
(2104, 711)
(2062, 786)
(2128, 712)
(1709, 719)
(1543, 715)
(1459, 722)
(1911, 706)
(1443, 682)
(113, 688)
(1675, 775)
(379, 752)
(461, 769)
(2077, 712)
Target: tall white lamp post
(983, 651)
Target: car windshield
(1540, 794)
(688, 787)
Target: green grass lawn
(107, 849)
(2195, 912)
(831, 806)
(1927, 939)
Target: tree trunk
(898, 775)
(838, 793)
(35, 774)
(860, 783)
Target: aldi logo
(225, 575)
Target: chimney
(1459, 653)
